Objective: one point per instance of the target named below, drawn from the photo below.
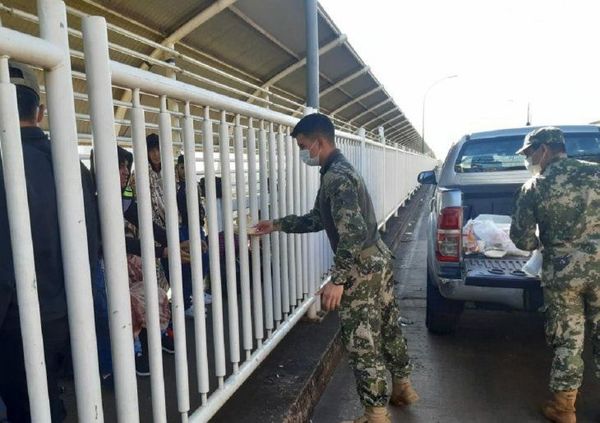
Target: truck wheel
(442, 314)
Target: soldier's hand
(331, 296)
(263, 227)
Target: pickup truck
(481, 175)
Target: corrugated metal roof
(253, 40)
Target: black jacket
(43, 214)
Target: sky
(506, 54)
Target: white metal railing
(278, 273)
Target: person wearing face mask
(563, 200)
(361, 284)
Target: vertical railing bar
(255, 241)
(232, 302)
(283, 237)
(265, 239)
(274, 215)
(193, 209)
(22, 248)
(291, 239)
(304, 192)
(240, 181)
(174, 254)
(138, 135)
(312, 256)
(298, 211)
(67, 175)
(319, 242)
(213, 247)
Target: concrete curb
(302, 408)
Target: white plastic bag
(490, 232)
(533, 267)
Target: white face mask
(535, 169)
(308, 159)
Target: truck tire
(442, 314)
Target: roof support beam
(405, 122)
(369, 110)
(375, 119)
(300, 63)
(181, 32)
(191, 25)
(344, 81)
(402, 129)
(395, 118)
(357, 99)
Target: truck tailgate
(498, 273)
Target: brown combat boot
(561, 408)
(373, 415)
(403, 393)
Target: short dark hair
(315, 124)
(27, 103)
(124, 156)
(152, 142)
(180, 159)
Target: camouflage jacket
(564, 201)
(344, 209)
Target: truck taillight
(449, 234)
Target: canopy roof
(247, 49)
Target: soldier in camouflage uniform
(563, 200)
(361, 280)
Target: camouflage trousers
(371, 329)
(572, 298)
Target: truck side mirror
(427, 177)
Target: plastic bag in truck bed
(489, 234)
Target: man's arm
(310, 222)
(351, 228)
(522, 229)
(292, 224)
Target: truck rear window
(498, 154)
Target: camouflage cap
(544, 135)
(23, 75)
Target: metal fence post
(381, 184)
(22, 246)
(138, 135)
(232, 304)
(362, 133)
(213, 253)
(193, 208)
(67, 176)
